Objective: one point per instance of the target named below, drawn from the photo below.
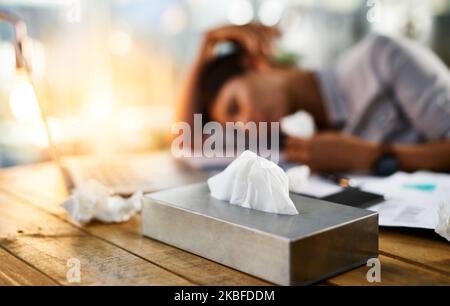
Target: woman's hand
(333, 152)
(255, 39)
(256, 42)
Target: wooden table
(37, 238)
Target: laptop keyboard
(112, 174)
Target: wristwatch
(387, 163)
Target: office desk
(37, 238)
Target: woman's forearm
(434, 156)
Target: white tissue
(443, 227)
(93, 200)
(254, 182)
(298, 178)
(300, 124)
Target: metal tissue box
(323, 240)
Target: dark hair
(213, 75)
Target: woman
(384, 106)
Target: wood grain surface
(37, 238)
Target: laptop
(124, 174)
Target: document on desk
(412, 200)
(319, 187)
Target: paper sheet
(412, 200)
(319, 187)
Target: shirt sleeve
(420, 82)
(334, 100)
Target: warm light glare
(23, 102)
(120, 43)
(25, 109)
(38, 135)
(38, 60)
(100, 104)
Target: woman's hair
(213, 75)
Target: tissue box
(323, 240)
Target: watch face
(386, 165)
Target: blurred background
(108, 72)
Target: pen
(340, 180)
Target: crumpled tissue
(254, 182)
(298, 178)
(92, 200)
(300, 124)
(443, 227)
